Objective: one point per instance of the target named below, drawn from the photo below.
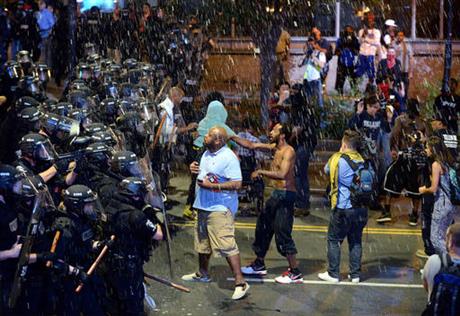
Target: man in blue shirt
(45, 20)
(346, 220)
(216, 202)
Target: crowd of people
(86, 176)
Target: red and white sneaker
(290, 277)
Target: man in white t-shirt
(369, 38)
(172, 126)
(433, 265)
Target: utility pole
(448, 48)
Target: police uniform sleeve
(143, 225)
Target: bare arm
(48, 174)
(435, 175)
(250, 145)
(229, 185)
(286, 165)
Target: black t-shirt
(450, 140)
(448, 108)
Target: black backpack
(363, 186)
(445, 297)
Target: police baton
(167, 282)
(95, 263)
(49, 263)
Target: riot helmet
(92, 128)
(125, 105)
(130, 63)
(30, 85)
(98, 154)
(29, 120)
(48, 104)
(81, 99)
(82, 201)
(37, 147)
(104, 137)
(84, 72)
(9, 182)
(62, 108)
(78, 84)
(26, 101)
(111, 89)
(60, 128)
(42, 72)
(126, 164)
(82, 116)
(135, 189)
(24, 60)
(108, 109)
(13, 69)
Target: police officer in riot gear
(123, 164)
(9, 246)
(76, 222)
(17, 194)
(135, 231)
(133, 129)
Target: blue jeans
(345, 223)
(302, 184)
(366, 66)
(314, 89)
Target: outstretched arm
(250, 145)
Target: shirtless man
(278, 216)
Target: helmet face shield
(92, 209)
(45, 152)
(135, 170)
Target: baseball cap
(390, 22)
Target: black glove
(61, 165)
(61, 267)
(46, 256)
(154, 214)
(81, 275)
(81, 165)
(106, 242)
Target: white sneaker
(353, 280)
(253, 268)
(326, 277)
(196, 277)
(240, 291)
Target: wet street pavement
(390, 282)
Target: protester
(347, 48)
(444, 210)
(347, 220)
(369, 38)
(277, 218)
(315, 60)
(216, 115)
(282, 57)
(448, 105)
(438, 270)
(405, 56)
(219, 176)
(409, 168)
